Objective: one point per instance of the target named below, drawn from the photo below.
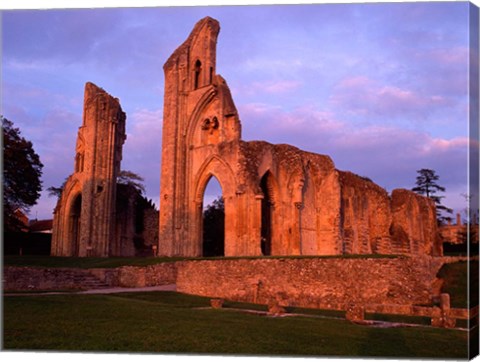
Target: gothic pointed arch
(213, 166)
(198, 116)
(62, 244)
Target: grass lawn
(82, 263)
(115, 262)
(170, 322)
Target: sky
(381, 88)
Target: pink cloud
(364, 96)
(271, 123)
(387, 154)
(275, 87)
(281, 86)
(457, 56)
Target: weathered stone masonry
(84, 219)
(279, 200)
(325, 282)
(95, 216)
(318, 282)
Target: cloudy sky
(381, 88)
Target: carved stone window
(210, 124)
(198, 70)
(79, 162)
(206, 124)
(214, 123)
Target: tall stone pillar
(196, 100)
(84, 219)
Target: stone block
(355, 312)
(216, 303)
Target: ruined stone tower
(198, 115)
(84, 219)
(279, 200)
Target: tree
(22, 171)
(427, 186)
(57, 191)
(131, 179)
(126, 178)
(214, 229)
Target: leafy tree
(214, 229)
(57, 191)
(125, 178)
(22, 171)
(427, 186)
(131, 179)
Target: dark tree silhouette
(427, 186)
(56, 191)
(126, 178)
(132, 179)
(214, 229)
(22, 171)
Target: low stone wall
(29, 278)
(137, 277)
(333, 283)
(318, 282)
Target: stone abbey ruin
(279, 200)
(96, 216)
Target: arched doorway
(213, 238)
(75, 224)
(266, 184)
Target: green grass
(82, 263)
(115, 262)
(456, 283)
(171, 322)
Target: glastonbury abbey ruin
(279, 200)
(96, 216)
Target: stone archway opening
(266, 184)
(213, 220)
(75, 224)
(198, 69)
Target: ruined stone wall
(30, 278)
(123, 244)
(311, 282)
(195, 116)
(84, 218)
(304, 193)
(366, 216)
(279, 200)
(150, 224)
(414, 224)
